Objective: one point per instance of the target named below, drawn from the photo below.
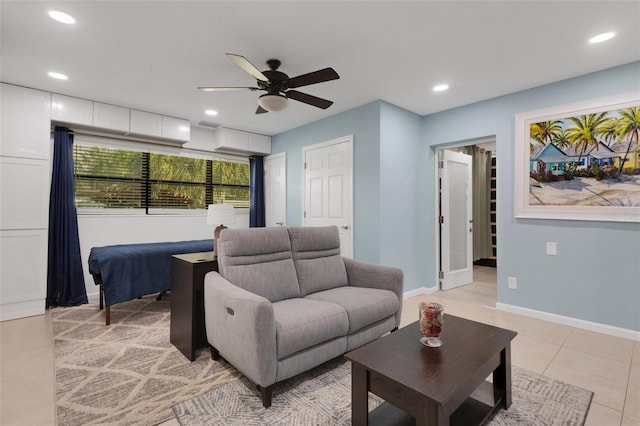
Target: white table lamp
(220, 214)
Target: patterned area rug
(127, 373)
(323, 397)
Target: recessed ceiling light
(211, 112)
(58, 75)
(440, 87)
(601, 37)
(61, 17)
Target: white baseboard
(93, 296)
(30, 308)
(571, 322)
(419, 291)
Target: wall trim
(417, 292)
(571, 322)
(30, 308)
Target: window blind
(120, 178)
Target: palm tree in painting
(583, 133)
(561, 140)
(544, 132)
(628, 128)
(609, 131)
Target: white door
(275, 189)
(328, 188)
(456, 227)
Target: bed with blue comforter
(125, 272)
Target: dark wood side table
(187, 300)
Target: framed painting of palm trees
(580, 161)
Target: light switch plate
(552, 249)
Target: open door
(456, 220)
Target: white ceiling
(152, 55)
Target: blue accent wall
(403, 213)
(388, 227)
(363, 123)
(596, 274)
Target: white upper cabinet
(71, 110)
(110, 117)
(259, 143)
(102, 117)
(145, 123)
(230, 139)
(236, 141)
(25, 122)
(148, 124)
(175, 128)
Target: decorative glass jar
(431, 323)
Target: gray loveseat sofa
(285, 301)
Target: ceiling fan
(278, 85)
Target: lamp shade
(272, 102)
(221, 214)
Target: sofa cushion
(259, 260)
(364, 306)
(303, 323)
(316, 255)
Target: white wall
(102, 230)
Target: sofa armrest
(241, 326)
(362, 274)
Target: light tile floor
(608, 366)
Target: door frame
(436, 200)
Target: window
(118, 178)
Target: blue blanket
(129, 271)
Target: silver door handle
(345, 227)
(280, 223)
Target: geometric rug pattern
(127, 373)
(322, 396)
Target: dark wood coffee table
(433, 386)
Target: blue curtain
(65, 279)
(256, 200)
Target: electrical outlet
(512, 282)
(552, 249)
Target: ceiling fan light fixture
(272, 102)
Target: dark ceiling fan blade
(227, 89)
(244, 63)
(261, 110)
(319, 76)
(309, 99)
